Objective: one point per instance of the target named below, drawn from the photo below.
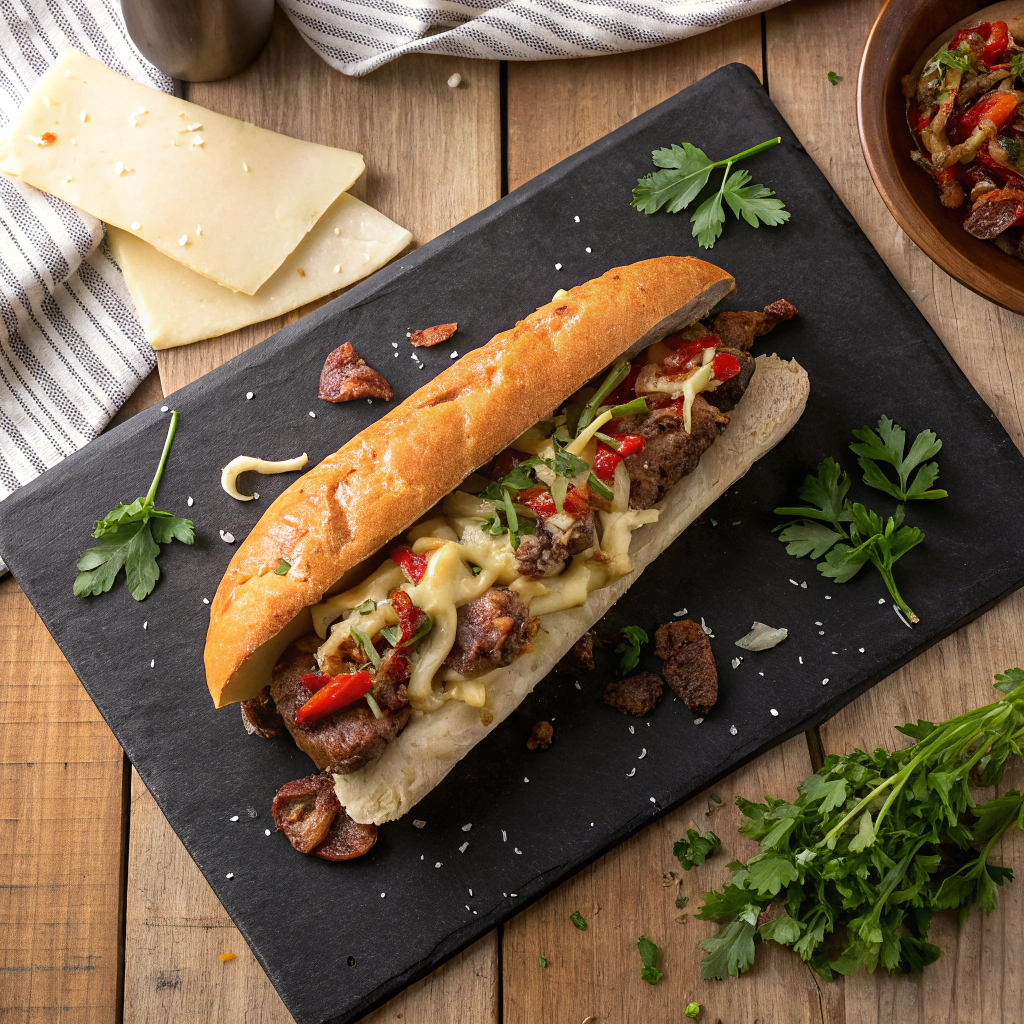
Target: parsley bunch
(851, 874)
(685, 170)
(847, 534)
(130, 537)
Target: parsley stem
(749, 152)
(890, 582)
(171, 431)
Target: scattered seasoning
(706, 628)
(145, 625)
(794, 582)
(525, 779)
(454, 81)
(679, 615)
(196, 140)
(821, 632)
(228, 538)
(234, 817)
(282, 569)
(800, 658)
(517, 850)
(466, 828)
(225, 957)
(383, 894)
(736, 662)
(589, 249)
(803, 585)
(245, 167)
(248, 396)
(578, 920)
(834, 78)
(199, 229)
(643, 754)
(558, 266)
(183, 240)
(632, 731)
(733, 730)
(543, 961)
(266, 831)
(504, 836)
(337, 268)
(630, 773)
(824, 681)
(714, 522)
(312, 415)
(774, 713)
(206, 600)
(828, 597)
(454, 355)
(230, 875)
(136, 225)
(191, 501)
(861, 649)
(576, 219)
(462, 849)
(881, 600)
(83, 116)
(698, 721)
(152, 662)
(819, 623)
(438, 864)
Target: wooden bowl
(902, 32)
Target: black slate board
(868, 351)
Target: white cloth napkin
(71, 347)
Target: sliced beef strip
(739, 329)
(260, 716)
(305, 809)
(580, 657)
(541, 736)
(390, 689)
(670, 452)
(492, 631)
(346, 376)
(726, 396)
(340, 743)
(347, 839)
(689, 669)
(636, 695)
(546, 552)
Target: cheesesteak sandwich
(401, 599)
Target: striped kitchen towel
(71, 347)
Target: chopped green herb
(649, 958)
(834, 78)
(887, 446)
(130, 537)
(636, 407)
(681, 902)
(692, 1009)
(366, 645)
(475, 570)
(374, 706)
(618, 373)
(600, 488)
(543, 961)
(633, 638)
(695, 847)
(367, 607)
(577, 919)
(393, 633)
(873, 846)
(946, 58)
(685, 170)
(1017, 65)
(715, 797)
(282, 569)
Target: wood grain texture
(60, 833)
(433, 154)
(556, 107)
(977, 977)
(632, 892)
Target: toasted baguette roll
(385, 478)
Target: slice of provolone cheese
(223, 197)
(177, 306)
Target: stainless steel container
(199, 40)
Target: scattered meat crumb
(430, 336)
(636, 695)
(346, 376)
(690, 668)
(541, 736)
(579, 657)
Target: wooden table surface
(104, 917)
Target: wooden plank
(630, 893)
(554, 109)
(976, 978)
(433, 154)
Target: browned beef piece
(689, 664)
(260, 717)
(390, 690)
(346, 376)
(492, 631)
(546, 552)
(541, 736)
(739, 329)
(636, 695)
(726, 396)
(580, 657)
(347, 839)
(340, 743)
(670, 452)
(305, 809)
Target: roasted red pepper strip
(539, 500)
(685, 351)
(1009, 178)
(605, 462)
(313, 681)
(997, 41)
(1000, 108)
(725, 366)
(983, 29)
(336, 693)
(629, 444)
(409, 616)
(414, 566)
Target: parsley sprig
(956, 60)
(130, 537)
(685, 170)
(633, 638)
(847, 534)
(649, 960)
(850, 875)
(695, 847)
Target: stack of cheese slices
(214, 222)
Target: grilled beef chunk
(670, 452)
(305, 809)
(580, 657)
(738, 330)
(636, 695)
(390, 690)
(346, 376)
(541, 736)
(492, 631)
(689, 664)
(347, 839)
(340, 743)
(260, 717)
(727, 395)
(546, 552)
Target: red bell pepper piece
(685, 351)
(1011, 179)
(577, 501)
(996, 42)
(1000, 108)
(629, 444)
(414, 566)
(539, 500)
(605, 462)
(333, 695)
(725, 366)
(409, 616)
(983, 29)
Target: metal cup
(199, 40)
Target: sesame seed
(794, 582)
(136, 225)
(248, 396)
(228, 538)
(632, 731)
(861, 649)
(454, 355)
(266, 831)
(653, 801)
(312, 415)
(824, 681)
(163, 408)
(199, 229)
(470, 892)
(828, 597)
(578, 687)
(576, 219)
(466, 828)
(520, 852)
(817, 623)
(589, 249)
(463, 847)
(558, 266)
(191, 501)
(383, 894)
(183, 240)
(630, 773)
(152, 662)
(881, 600)
(234, 817)
(504, 836)
(337, 231)
(394, 344)
(800, 658)
(774, 713)
(230, 874)
(74, 142)
(454, 81)
(760, 673)
(821, 632)
(733, 730)
(206, 600)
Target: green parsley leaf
(886, 446)
(709, 220)
(366, 645)
(543, 961)
(577, 919)
(827, 493)
(282, 569)
(681, 902)
(368, 607)
(695, 847)
(814, 539)
(633, 638)
(947, 58)
(1008, 681)
(686, 170)
(834, 78)
(731, 951)
(1017, 65)
(649, 958)
(692, 1009)
(475, 570)
(753, 202)
(130, 536)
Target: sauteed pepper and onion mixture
(964, 112)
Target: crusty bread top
(387, 476)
